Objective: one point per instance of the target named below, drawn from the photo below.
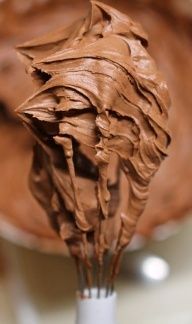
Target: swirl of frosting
(99, 117)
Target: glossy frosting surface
(99, 118)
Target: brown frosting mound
(100, 121)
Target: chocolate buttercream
(100, 121)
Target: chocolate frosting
(100, 121)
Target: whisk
(99, 119)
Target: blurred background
(37, 280)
